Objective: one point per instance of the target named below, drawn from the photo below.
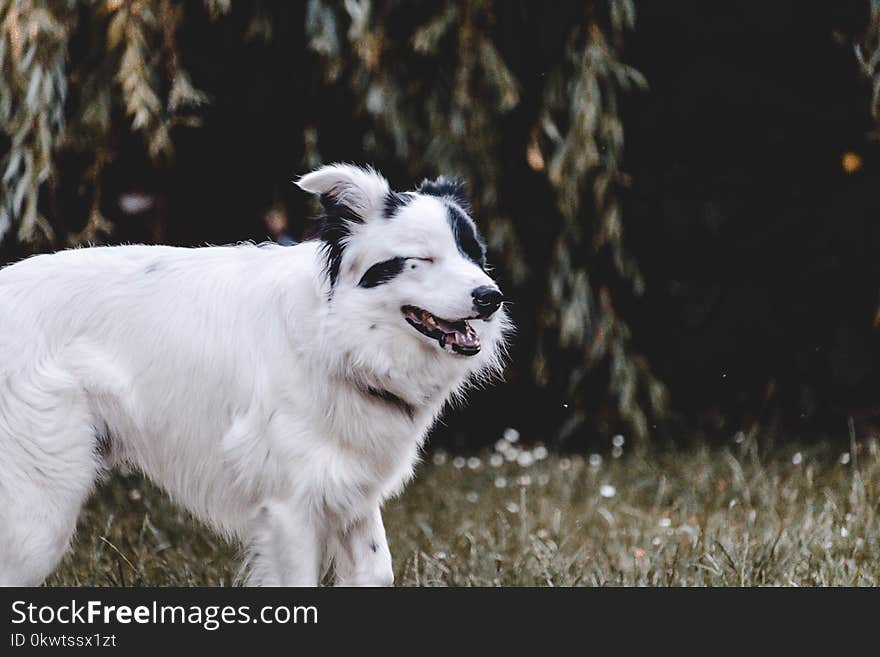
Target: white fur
(236, 379)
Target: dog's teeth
(453, 337)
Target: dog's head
(407, 273)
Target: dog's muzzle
(456, 336)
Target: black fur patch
(394, 400)
(395, 201)
(103, 442)
(334, 227)
(382, 272)
(468, 239)
(450, 187)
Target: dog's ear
(450, 188)
(350, 195)
(357, 193)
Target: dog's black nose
(487, 299)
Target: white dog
(281, 394)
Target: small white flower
(524, 459)
(500, 482)
(524, 480)
(595, 460)
(511, 435)
(564, 463)
(496, 460)
(844, 458)
(607, 490)
(513, 507)
(459, 462)
(844, 532)
(473, 463)
(797, 458)
(439, 458)
(665, 522)
(616, 451)
(540, 453)
(501, 445)
(471, 497)
(617, 441)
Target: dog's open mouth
(458, 336)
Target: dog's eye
(414, 262)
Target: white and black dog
(280, 394)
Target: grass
(510, 517)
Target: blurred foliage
(431, 91)
(33, 89)
(582, 126)
(868, 54)
(130, 63)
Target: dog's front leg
(287, 546)
(362, 557)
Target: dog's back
(129, 354)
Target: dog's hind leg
(49, 460)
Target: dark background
(761, 249)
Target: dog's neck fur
(415, 388)
(384, 396)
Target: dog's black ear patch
(449, 187)
(382, 272)
(334, 228)
(468, 239)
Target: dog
(279, 393)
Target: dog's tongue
(446, 327)
(460, 333)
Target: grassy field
(514, 516)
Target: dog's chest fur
(339, 442)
